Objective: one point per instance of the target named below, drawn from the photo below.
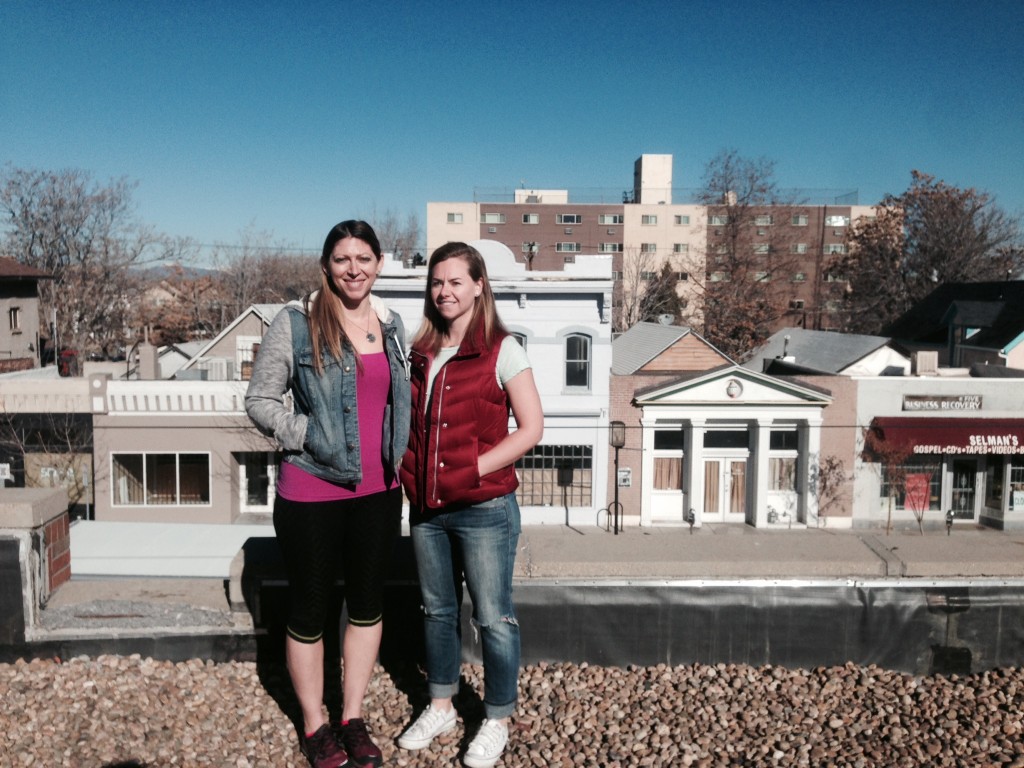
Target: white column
(810, 455)
(646, 471)
(694, 470)
(759, 463)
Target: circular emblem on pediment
(734, 388)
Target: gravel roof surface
(131, 711)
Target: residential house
(967, 323)
(20, 332)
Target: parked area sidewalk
(129, 576)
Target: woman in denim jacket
(340, 354)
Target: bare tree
(828, 482)
(644, 292)
(397, 235)
(49, 450)
(931, 234)
(260, 270)
(85, 235)
(748, 262)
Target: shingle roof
(824, 351)
(641, 344)
(11, 269)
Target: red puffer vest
(467, 416)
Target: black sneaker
(323, 750)
(360, 747)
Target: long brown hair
(324, 309)
(484, 319)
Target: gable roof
(784, 388)
(642, 343)
(994, 309)
(266, 313)
(820, 351)
(11, 269)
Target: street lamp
(616, 439)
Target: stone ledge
(27, 508)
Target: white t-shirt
(512, 360)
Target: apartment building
(787, 248)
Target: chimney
(149, 362)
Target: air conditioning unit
(926, 362)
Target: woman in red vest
(459, 476)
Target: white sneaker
(487, 745)
(431, 723)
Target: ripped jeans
(477, 543)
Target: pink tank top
(373, 386)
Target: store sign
(953, 436)
(942, 402)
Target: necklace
(370, 337)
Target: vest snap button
(350, 446)
(441, 464)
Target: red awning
(967, 436)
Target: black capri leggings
(320, 540)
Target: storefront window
(994, 473)
(919, 478)
(1017, 484)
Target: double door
(725, 489)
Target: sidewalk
(562, 553)
(718, 593)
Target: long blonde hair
(323, 310)
(485, 312)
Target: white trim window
(719, 220)
(782, 460)
(648, 247)
(835, 248)
(531, 218)
(837, 221)
(763, 220)
(610, 248)
(257, 481)
(577, 361)
(552, 475)
(609, 218)
(454, 218)
(799, 220)
(649, 219)
(246, 349)
(568, 247)
(492, 218)
(682, 220)
(680, 248)
(568, 218)
(160, 479)
(798, 248)
(669, 460)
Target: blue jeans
(478, 543)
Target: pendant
(370, 337)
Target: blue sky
(288, 117)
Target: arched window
(577, 361)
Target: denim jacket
(319, 430)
